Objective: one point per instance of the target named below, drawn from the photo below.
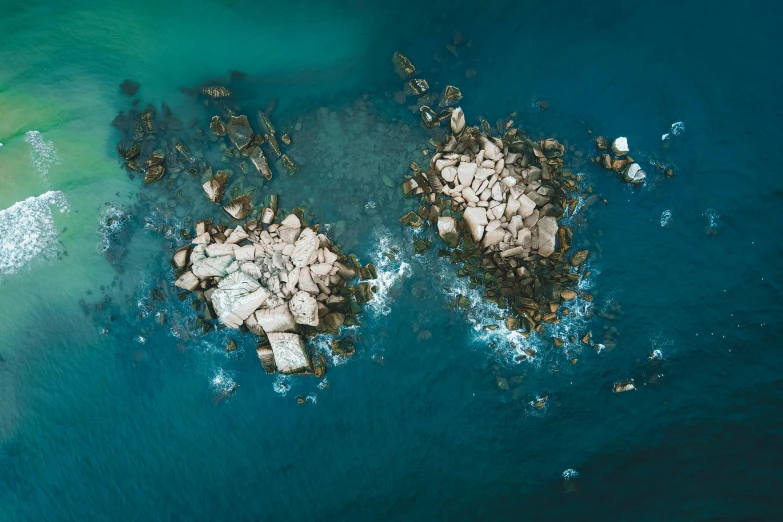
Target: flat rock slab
(289, 350)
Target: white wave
(312, 398)
(141, 340)
(712, 216)
(27, 230)
(281, 385)
(222, 382)
(570, 474)
(110, 222)
(391, 267)
(666, 218)
(676, 129)
(43, 155)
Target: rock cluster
(280, 281)
(496, 201)
(616, 158)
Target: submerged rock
(451, 96)
(239, 131)
(154, 173)
(215, 187)
(129, 87)
(239, 207)
(258, 158)
(215, 91)
(403, 65)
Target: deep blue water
(103, 427)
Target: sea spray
(27, 230)
(43, 155)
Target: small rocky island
(266, 272)
(281, 281)
(496, 197)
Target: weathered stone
(451, 95)
(567, 294)
(552, 148)
(305, 248)
(343, 347)
(476, 221)
(267, 357)
(428, 117)
(457, 121)
(289, 350)
(239, 207)
(304, 308)
(579, 257)
(332, 322)
(526, 206)
(403, 65)
(620, 147)
(277, 319)
(547, 230)
(237, 296)
(217, 127)
(181, 257)
(187, 281)
(239, 131)
(624, 386)
(212, 267)
(215, 187)
(466, 171)
(448, 231)
(154, 173)
(601, 143)
(418, 87)
(634, 174)
(258, 158)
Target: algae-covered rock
(239, 131)
(239, 207)
(343, 347)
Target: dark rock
(154, 173)
(239, 207)
(239, 131)
(344, 347)
(129, 87)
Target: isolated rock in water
(187, 281)
(239, 131)
(451, 95)
(258, 158)
(634, 174)
(447, 229)
(306, 247)
(237, 296)
(277, 319)
(547, 230)
(154, 173)
(289, 350)
(457, 121)
(476, 220)
(239, 207)
(215, 187)
(212, 267)
(129, 87)
(304, 308)
(620, 147)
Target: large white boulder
(237, 296)
(465, 173)
(277, 319)
(491, 150)
(634, 173)
(547, 230)
(289, 350)
(457, 121)
(212, 267)
(187, 281)
(620, 146)
(447, 229)
(305, 248)
(304, 308)
(526, 206)
(476, 219)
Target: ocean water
(107, 415)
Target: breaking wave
(666, 218)
(111, 222)
(27, 230)
(677, 129)
(387, 258)
(43, 155)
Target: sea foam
(27, 230)
(43, 155)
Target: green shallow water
(105, 415)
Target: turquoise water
(107, 415)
